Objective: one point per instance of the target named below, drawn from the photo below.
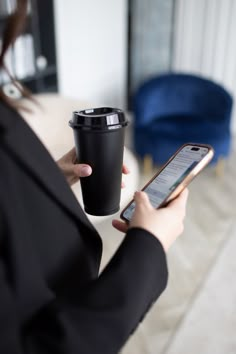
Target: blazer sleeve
(103, 317)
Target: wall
(91, 50)
(205, 41)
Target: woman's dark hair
(14, 27)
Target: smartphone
(174, 176)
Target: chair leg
(147, 165)
(220, 167)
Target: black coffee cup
(99, 141)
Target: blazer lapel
(27, 149)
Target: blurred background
(78, 53)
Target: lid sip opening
(102, 118)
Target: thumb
(141, 199)
(82, 170)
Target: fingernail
(85, 171)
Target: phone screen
(170, 177)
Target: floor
(210, 323)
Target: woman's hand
(73, 171)
(166, 224)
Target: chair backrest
(181, 95)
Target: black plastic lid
(103, 118)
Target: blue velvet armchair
(173, 109)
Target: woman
(52, 299)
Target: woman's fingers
(142, 201)
(181, 200)
(82, 170)
(125, 170)
(120, 225)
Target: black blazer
(52, 299)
